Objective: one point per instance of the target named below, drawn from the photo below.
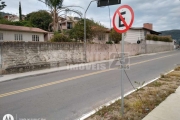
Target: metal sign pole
(118, 19)
(122, 70)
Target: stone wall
(28, 56)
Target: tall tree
(2, 5)
(20, 12)
(57, 8)
(40, 19)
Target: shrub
(155, 38)
(148, 37)
(60, 38)
(158, 38)
(109, 42)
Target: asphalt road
(66, 95)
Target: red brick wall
(148, 26)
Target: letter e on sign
(123, 19)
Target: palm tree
(57, 8)
(2, 5)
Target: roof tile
(21, 28)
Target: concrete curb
(113, 101)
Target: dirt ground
(143, 101)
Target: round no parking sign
(123, 19)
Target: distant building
(68, 22)
(139, 33)
(13, 18)
(19, 33)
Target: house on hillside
(68, 22)
(20, 33)
(13, 18)
(135, 34)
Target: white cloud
(164, 14)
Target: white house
(139, 33)
(19, 33)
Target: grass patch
(151, 96)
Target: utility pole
(85, 37)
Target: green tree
(92, 29)
(40, 19)
(17, 23)
(4, 21)
(115, 36)
(20, 12)
(57, 8)
(2, 5)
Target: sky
(163, 14)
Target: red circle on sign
(127, 26)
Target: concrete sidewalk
(168, 109)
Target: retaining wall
(29, 56)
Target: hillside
(174, 33)
(4, 14)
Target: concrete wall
(27, 56)
(152, 42)
(27, 36)
(158, 46)
(98, 52)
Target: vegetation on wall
(115, 36)
(158, 38)
(60, 38)
(175, 34)
(109, 42)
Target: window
(15, 37)
(35, 38)
(1, 36)
(69, 25)
(18, 37)
(101, 37)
